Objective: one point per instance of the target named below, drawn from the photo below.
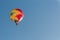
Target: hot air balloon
(16, 15)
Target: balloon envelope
(16, 15)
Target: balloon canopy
(16, 15)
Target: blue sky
(41, 20)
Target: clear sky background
(41, 20)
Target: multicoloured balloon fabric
(16, 15)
